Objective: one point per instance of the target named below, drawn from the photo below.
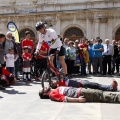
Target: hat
(77, 41)
(70, 42)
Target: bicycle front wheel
(46, 79)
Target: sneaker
(114, 84)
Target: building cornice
(45, 7)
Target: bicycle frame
(53, 69)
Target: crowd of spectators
(82, 57)
(95, 56)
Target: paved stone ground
(21, 102)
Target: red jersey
(29, 44)
(59, 94)
(62, 83)
(55, 95)
(26, 56)
(26, 60)
(44, 47)
(71, 83)
(6, 74)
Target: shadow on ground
(13, 91)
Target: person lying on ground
(85, 84)
(80, 95)
(6, 78)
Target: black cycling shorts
(61, 52)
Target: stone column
(96, 28)
(103, 29)
(4, 23)
(110, 29)
(88, 29)
(58, 24)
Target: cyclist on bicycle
(50, 37)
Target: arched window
(22, 34)
(118, 32)
(73, 33)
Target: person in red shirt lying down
(85, 84)
(79, 95)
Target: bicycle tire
(46, 79)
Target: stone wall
(94, 18)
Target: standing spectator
(28, 42)
(107, 55)
(2, 39)
(115, 47)
(91, 56)
(83, 46)
(98, 49)
(26, 64)
(8, 43)
(65, 45)
(118, 60)
(96, 40)
(17, 53)
(77, 61)
(10, 58)
(71, 55)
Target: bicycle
(46, 79)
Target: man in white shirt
(107, 55)
(50, 37)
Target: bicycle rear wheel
(46, 79)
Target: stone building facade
(70, 18)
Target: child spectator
(28, 42)
(26, 64)
(10, 58)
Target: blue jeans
(91, 63)
(93, 85)
(10, 69)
